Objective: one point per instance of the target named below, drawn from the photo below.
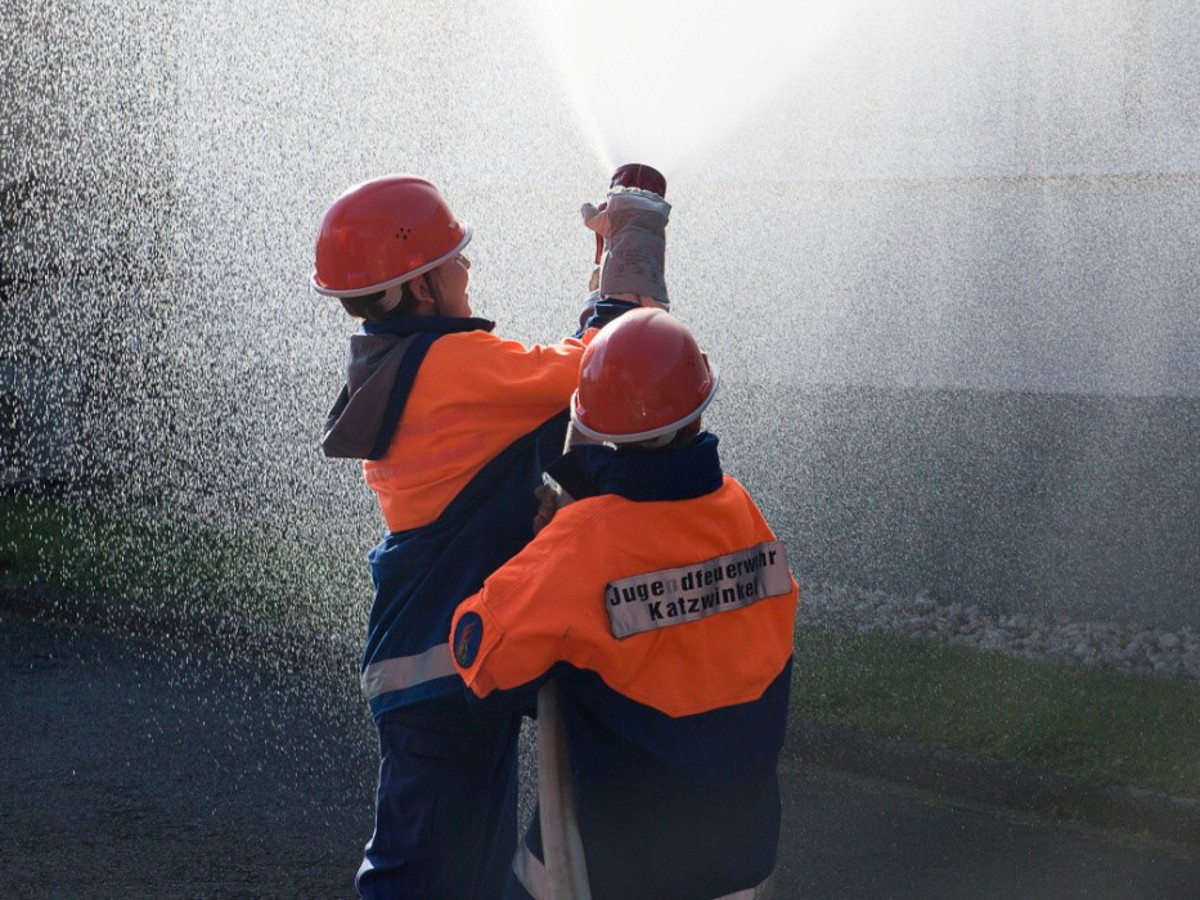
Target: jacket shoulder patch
(468, 635)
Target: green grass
(255, 572)
(1101, 726)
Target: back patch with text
(687, 593)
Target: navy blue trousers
(446, 805)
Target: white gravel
(1108, 645)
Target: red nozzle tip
(641, 176)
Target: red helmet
(642, 377)
(384, 232)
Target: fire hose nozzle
(637, 175)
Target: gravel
(1102, 645)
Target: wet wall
(949, 275)
(1087, 507)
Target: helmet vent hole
(403, 234)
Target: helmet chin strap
(661, 441)
(391, 298)
(682, 435)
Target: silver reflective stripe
(761, 891)
(531, 872)
(401, 672)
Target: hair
(397, 300)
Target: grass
(254, 572)
(1101, 726)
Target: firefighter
(454, 426)
(661, 605)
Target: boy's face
(451, 278)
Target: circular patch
(467, 636)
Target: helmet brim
(327, 291)
(653, 433)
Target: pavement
(218, 760)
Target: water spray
(690, 76)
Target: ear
(422, 292)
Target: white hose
(562, 847)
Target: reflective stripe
(531, 872)
(761, 891)
(401, 672)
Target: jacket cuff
(474, 634)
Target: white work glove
(633, 223)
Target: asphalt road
(132, 770)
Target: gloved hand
(633, 223)
(551, 498)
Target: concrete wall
(1043, 503)
(949, 270)
(1070, 284)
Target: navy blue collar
(639, 474)
(605, 310)
(405, 325)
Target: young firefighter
(662, 605)
(455, 426)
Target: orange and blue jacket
(664, 606)
(455, 427)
